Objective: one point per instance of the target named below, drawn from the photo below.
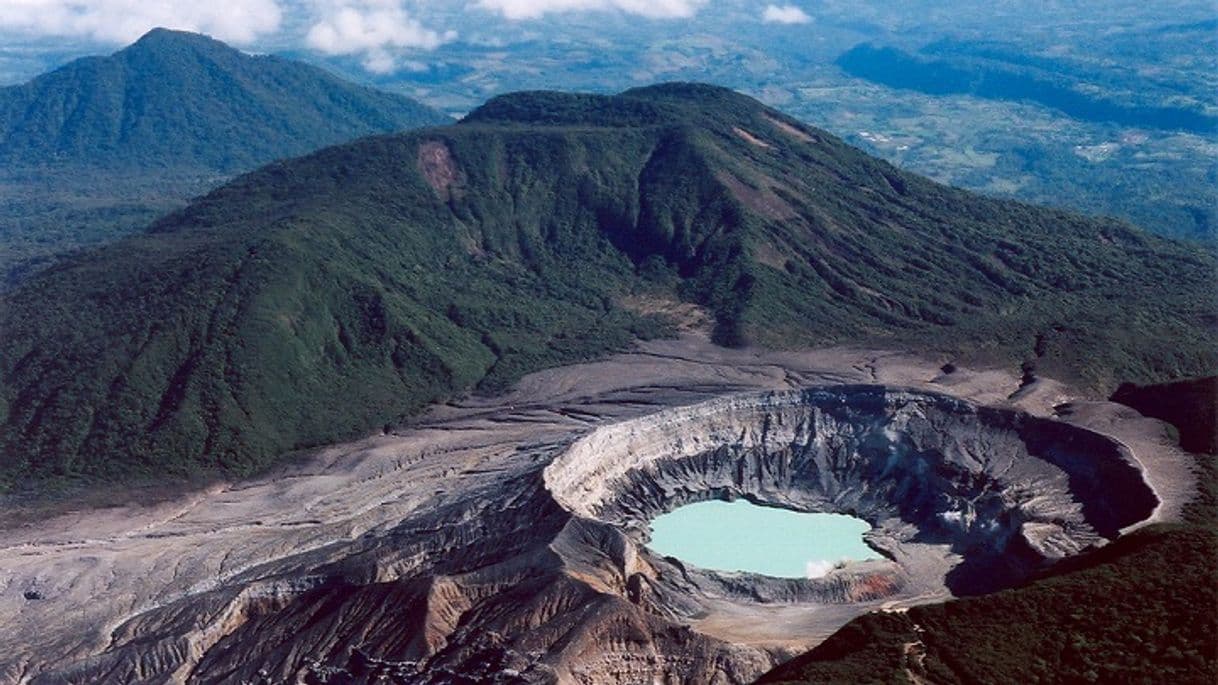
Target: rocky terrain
(1000, 490)
(503, 539)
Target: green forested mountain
(174, 99)
(321, 297)
(104, 145)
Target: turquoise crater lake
(742, 536)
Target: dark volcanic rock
(1189, 405)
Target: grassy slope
(321, 297)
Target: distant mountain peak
(160, 40)
(161, 35)
(182, 99)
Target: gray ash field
(500, 539)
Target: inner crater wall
(1004, 490)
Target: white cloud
(784, 14)
(122, 21)
(817, 569)
(654, 9)
(376, 29)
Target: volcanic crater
(505, 540)
(962, 499)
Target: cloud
(818, 569)
(376, 29)
(784, 14)
(653, 9)
(122, 21)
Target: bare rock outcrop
(506, 540)
(1005, 491)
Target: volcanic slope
(325, 296)
(104, 145)
(174, 98)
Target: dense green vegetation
(104, 145)
(46, 213)
(322, 297)
(176, 99)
